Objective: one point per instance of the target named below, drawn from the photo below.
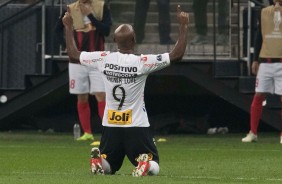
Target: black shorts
(117, 142)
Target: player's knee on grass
(106, 167)
(154, 168)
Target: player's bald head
(124, 36)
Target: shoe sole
(85, 139)
(96, 169)
(95, 143)
(138, 172)
(143, 168)
(249, 141)
(95, 153)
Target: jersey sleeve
(92, 59)
(151, 63)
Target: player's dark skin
(124, 37)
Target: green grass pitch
(35, 158)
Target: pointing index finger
(68, 9)
(178, 9)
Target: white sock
(154, 168)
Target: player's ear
(133, 37)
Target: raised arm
(179, 49)
(72, 50)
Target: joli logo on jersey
(120, 118)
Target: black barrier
(20, 42)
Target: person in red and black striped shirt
(92, 22)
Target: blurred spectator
(141, 9)
(201, 24)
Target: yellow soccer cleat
(95, 143)
(86, 137)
